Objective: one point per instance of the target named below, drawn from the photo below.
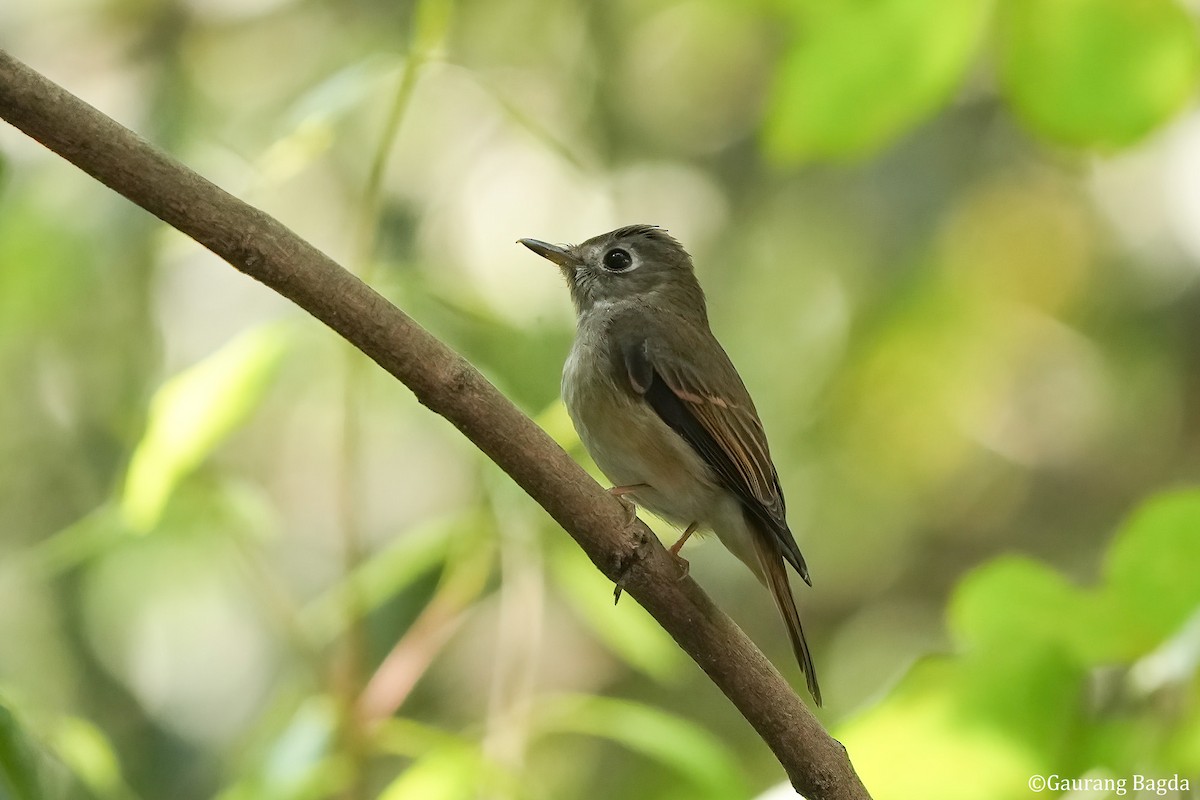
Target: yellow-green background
(953, 246)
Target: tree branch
(264, 249)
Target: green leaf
(625, 629)
(1183, 751)
(1097, 72)
(76, 543)
(435, 754)
(1151, 567)
(678, 743)
(87, 752)
(412, 739)
(860, 74)
(1015, 602)
(1149, 593)
(192, 413)
(1011, 599)
(1031, 696)
(19, 773)
(450, 773)
(920, 731)
(1015, 701)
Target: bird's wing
(722, 427)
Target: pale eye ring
(617, 260)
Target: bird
(664, 413)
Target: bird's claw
(640, 552)
(630, 508)
(619, 492)
(685, 566)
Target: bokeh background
(953, 246)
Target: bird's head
(637, 262)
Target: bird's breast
(629, 442)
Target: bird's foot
(619, 492)
(641, 551)
(675, 548)
(630, 508)
(685, 566)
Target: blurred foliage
(19, 773)
(1097, 72)
(951, 244)
(859, 74)
(1035, 692)
(188, 417)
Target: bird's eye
(617, 260)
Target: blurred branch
(264, 249)
(461, 584)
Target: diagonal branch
(261, 247)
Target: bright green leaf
(19, 774)
(1097, 72)
(920, 731)
(1183, 751)
(1028, 638)
(413, 739)
(77, 542)
(448, 773)
(434, 754)
(86, 750)
(1030, 694)
(1015, 602)
(678, 743)
(1014, 702)
(192, 413)
(860, 74)
(1151, 567)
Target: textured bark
(261, 247)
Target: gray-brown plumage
(662, 410)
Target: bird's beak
(552, 252)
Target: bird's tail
(774, 575)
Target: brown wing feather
(729, 419)
(741, 435)
(724, 429)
